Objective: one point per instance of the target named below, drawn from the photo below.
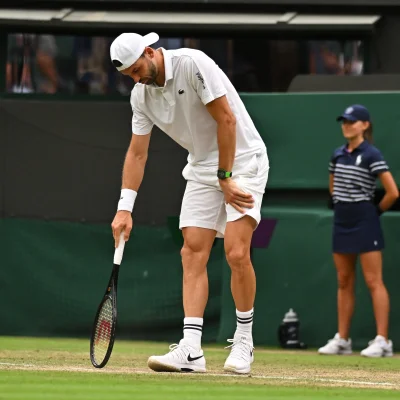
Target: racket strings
(103, 331)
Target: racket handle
(119, 251)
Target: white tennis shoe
(181, 358)
(337, 345)
(241, 356)
(378, 347)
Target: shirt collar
(167, 64)
(361, 147)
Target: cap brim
(150, 39)
(347, 117)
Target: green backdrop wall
(53, 273)
(301, 132)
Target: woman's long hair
(368, 134)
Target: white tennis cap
(126, 49)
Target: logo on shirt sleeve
(200, 78)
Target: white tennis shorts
(204, 204)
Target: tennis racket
(103, 331)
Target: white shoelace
(179, 351)
(240, 348)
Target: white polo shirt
(192, 79)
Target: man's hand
(122, 222)
(235, 196)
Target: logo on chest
(358, 160)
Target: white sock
(192, 330)
(244, 322)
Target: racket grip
(119, 251)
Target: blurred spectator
(354, 58)
(91, 55)
(336, 58)
(326, 58)
(19, 63)
(81, 64)
(31, 64)
(47, 76)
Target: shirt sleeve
(377, 163)
(141, 123)
(204, 75)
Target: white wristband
(127, 200)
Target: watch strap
(222, 174)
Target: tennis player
(188, 96)
(357, 231)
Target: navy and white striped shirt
(355, 172)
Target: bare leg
(345, 267)
(372, 268)
(195, 253)
(188, 356)
(238, 236)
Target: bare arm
(392, 193)
(135, 162)
(45, 58)
(132, 176)
(226, 121)
(331, 184)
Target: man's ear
(149, 51)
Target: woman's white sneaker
(181, 358)
(378, 347)
(337, 345)
(241, 356)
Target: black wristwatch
(222, 174)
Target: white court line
(294, 378)
(18, 365)
(271, 377)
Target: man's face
(144, 69)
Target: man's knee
(238, 256)
(192, 247)
(238, 241)
(195, 250)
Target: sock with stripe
(192, 330)
(244, 323)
